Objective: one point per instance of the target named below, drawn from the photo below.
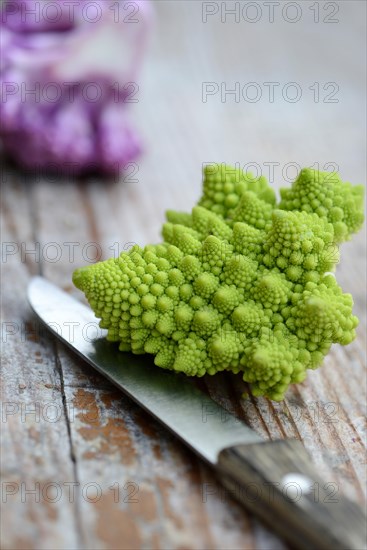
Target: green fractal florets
(240, 284)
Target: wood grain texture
(277, 481)
(109, 476)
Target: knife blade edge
(171, 398)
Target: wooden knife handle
(278, 482)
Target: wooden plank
(35, 468)
(118, 449)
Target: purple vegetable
(67, 78)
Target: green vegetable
(239, 284)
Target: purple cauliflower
(67, 77)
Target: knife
(275, 480)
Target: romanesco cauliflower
(239, 284)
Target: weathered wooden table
(83, 466)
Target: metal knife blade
(240, 458)
(170, 397)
